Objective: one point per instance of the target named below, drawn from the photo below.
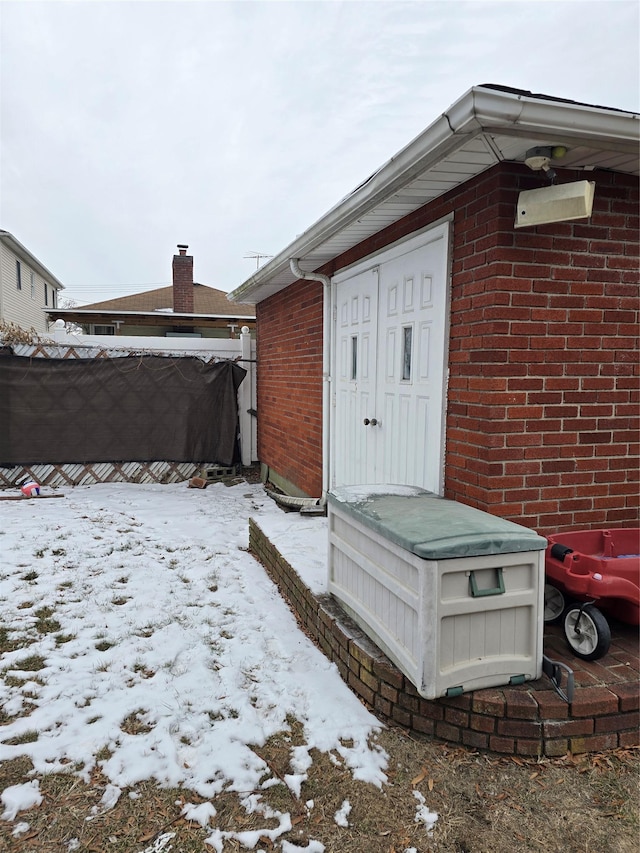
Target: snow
(110, 797)
(311, 847)
(201, 813)
(359, 494)
(162, 843)
(20, 829)
(173, 652)
(17, 798)
(302, 541)
(342, 815)
(423, 814)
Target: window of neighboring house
(54, 297)
(33, 285)
(102, 330)
(18, 275)
(46, 294)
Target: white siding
(19, 306)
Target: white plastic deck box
(452, 595)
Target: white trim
(395, 250)
(480, 110)
(164, 319)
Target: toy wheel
(586, 631)
(554, 603)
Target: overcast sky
(129, 127)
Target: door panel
(414, 335)
(354, 444)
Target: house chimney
(182, 281)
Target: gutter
(480, 110)
(309, 503)
(156, 315)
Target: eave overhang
(485, 126)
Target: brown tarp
(134, 409)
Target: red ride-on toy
(591, 574)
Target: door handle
(373, 422)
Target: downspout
(304, 503)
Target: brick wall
(542, 422)
(289, 382)
(543, 399)
(517, 720)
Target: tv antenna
(258, 256)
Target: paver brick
(628, 695)
(590, 701)
(521, 705)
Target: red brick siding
(289, 383)
(542, 422)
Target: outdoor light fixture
(539, 159)
(557, 202)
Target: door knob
(367, 421)
(374, 421)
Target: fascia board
(69, 313)
(479, 110)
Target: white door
(356, 318)
(390, 336)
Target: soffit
(451, 162)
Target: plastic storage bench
(451, 594)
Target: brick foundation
(529, 719)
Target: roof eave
(17, 247)
(70, 313)
(480, 110)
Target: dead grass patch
(32, 663)
(30, 576)
(485, 804)
(46, 624)
(27, 737)
(134, 724)
(7, 644)
(61, 639)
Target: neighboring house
(437, 344)
(27, 288)
(185, 309)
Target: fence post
(244, 397)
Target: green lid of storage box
(430, 526)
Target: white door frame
(438, 231)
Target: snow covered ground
(139, 628)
